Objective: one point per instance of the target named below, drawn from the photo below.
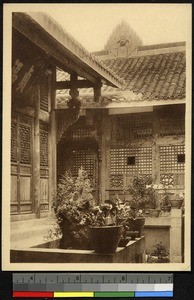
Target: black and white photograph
(96, 137)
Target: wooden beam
(60, 85)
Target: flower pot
(132, 234)
(158, 259)
(166, 208)
(154, 213)
(105, 239)
(176, 203)
(136, 225)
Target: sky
(92, 24)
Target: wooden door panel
(25, 189)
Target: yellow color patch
(73, 294)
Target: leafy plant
(74, 209)
(159, 250)
(143, 194)
(158, 254)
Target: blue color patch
(154, 294)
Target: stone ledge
(158, 222)
(134, 252)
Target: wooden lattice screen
(83, 158)
(14, 140)
(43, 148)
(172, 168)
(133, 127)
(25, 140)
(167, 124)
(44, 167)
(71, 160)
(21, 165)
(128, 161)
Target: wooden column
(37, 154)
(49, 75)
(103, 172)
(53, 131)
(97, 91)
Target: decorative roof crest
(123, 41)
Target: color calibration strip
(92, 285)
(93, 294)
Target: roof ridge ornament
(123, 41)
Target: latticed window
(83, 158)
(13, 141)
(172, 164)
(21, 140)
(128, 161)
(21, 165)
(25, 143)
(43, 148)
(167, 121)
(133, 127)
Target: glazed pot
(159, 259)
(154, 213)
(176, 203)
(105, 239)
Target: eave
(61, 47)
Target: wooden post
(53, 153)
(103, 149)
(97, 91)
(49, 75)
(37, 154)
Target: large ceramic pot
(105, 239)
(154, 213)
(176, 203)
(136, 225)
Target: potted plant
(176, 200)
(165, 201)
(143, 196)
(74, 210)
(104, 232)
(154, 209)
(158, 254)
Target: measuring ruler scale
(61, 285)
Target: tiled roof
(160, 76)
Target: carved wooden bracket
(65, 118)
